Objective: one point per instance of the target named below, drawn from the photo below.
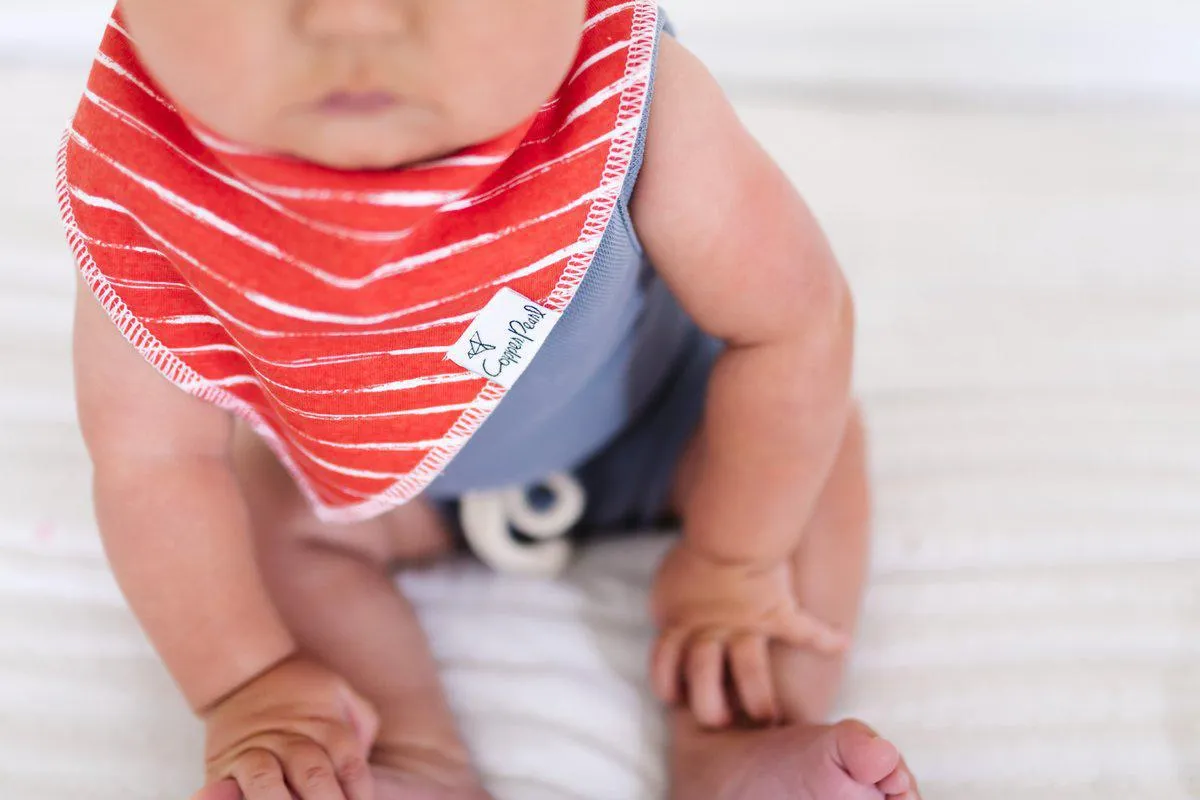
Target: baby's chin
(357, 159)
(382, 143)
(390, 140)
(374, 153)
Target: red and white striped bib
(320, 305)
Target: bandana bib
(333, 310)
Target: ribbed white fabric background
(1029, 297)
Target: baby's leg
(805, 759)
(830, 571)
(334, 586)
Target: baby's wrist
(266, 669)
(718, 555)
(704, 555)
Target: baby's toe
(865, 757)
(897, 784)
(900, 785)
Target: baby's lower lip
(358, 102)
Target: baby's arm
(178, 537)
(171, 516)
(744, 255)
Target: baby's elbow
(818, 312)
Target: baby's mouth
(358, 103)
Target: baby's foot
(843, 762)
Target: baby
(352, 270)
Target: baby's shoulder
(697, 151)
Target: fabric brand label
(503, 340)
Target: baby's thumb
(360, 716)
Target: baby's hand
(715, 617)
(298, 732)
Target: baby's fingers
(706, 682)
(666, 665)
(804, 630)
(260, 776)
(750, 665)
(349, 760)
(310, 773)
(221, 790)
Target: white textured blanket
(1029, 293)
